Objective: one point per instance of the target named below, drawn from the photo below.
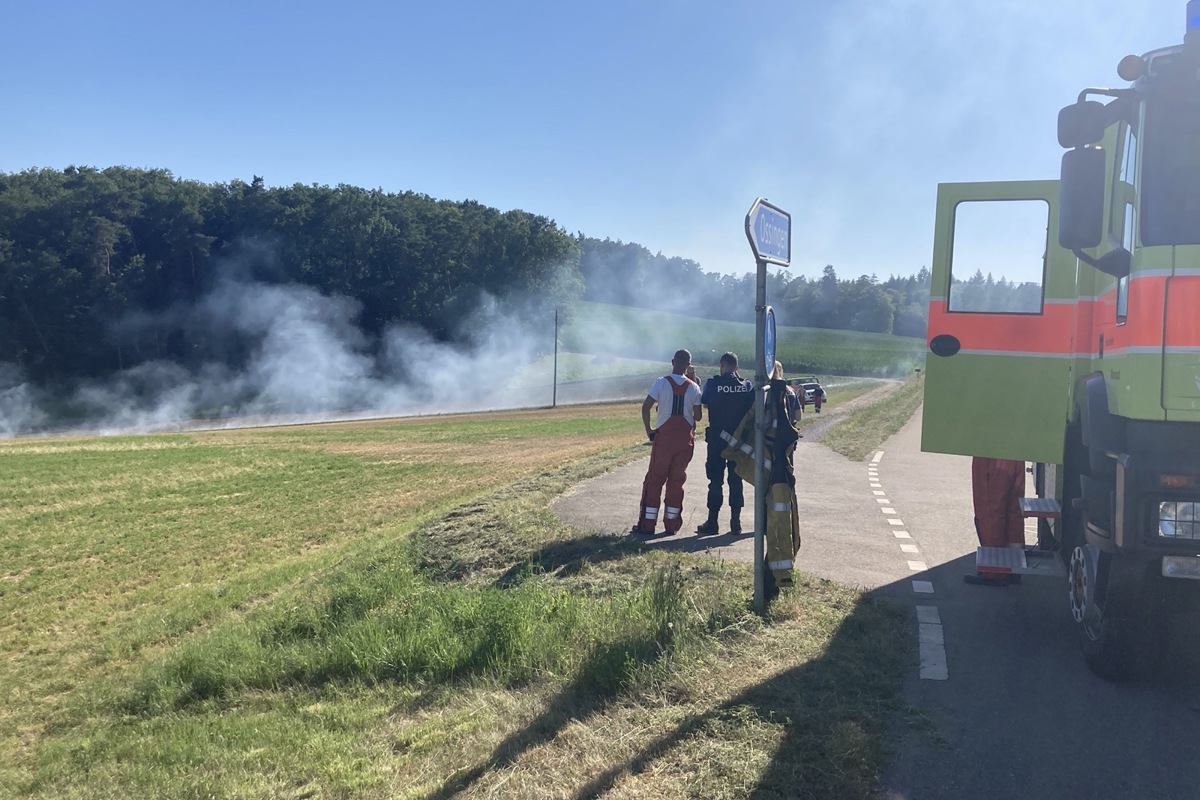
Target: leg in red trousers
(669, 457)
(997, 486)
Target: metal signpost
(769, 229)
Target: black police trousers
(720, 471)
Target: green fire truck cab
(1087, 362)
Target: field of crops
(634, 333)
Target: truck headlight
(1179, 520)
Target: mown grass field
(387, 609)
(633, 333)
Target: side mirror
(1081, 124)
(1115, 262)
(1081, 198)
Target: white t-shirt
(662, 393)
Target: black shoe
(735, 526)
(980, 579)
(637, 531)
(708, 528)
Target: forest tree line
(92, 262)
(629, 274)
(82, 250)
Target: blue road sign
(769, 342)
(769, 229)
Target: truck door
(1002, 297)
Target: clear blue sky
(653, 121)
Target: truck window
(1171, 172)
(998, 256)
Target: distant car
(810, 391)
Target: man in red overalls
(997, 486)
(678, 400)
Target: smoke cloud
(19, 406)
(300, 357)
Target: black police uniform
(728, 398)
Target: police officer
(727, 397)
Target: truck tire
(1120, 629)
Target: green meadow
(633, 333)
(388, 609)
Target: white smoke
(19, 408)
(310, 356)
(304, 359)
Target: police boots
(709, 527)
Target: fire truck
(1087, 361)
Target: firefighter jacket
(783, 520)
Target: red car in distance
(810, 391)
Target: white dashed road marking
(931, 638)
(932, 644)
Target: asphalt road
(1005, 707)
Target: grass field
(633, 333)
(387, 609)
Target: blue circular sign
(769, 342)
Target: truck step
(1040, 507)
(1018, 560)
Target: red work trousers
(674, 442)
(997, 486)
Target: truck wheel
(1106, 651)
(1116, 629)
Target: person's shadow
(833, 708)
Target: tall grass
(384, 622)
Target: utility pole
(554, 380)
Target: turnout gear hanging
(783, 520)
